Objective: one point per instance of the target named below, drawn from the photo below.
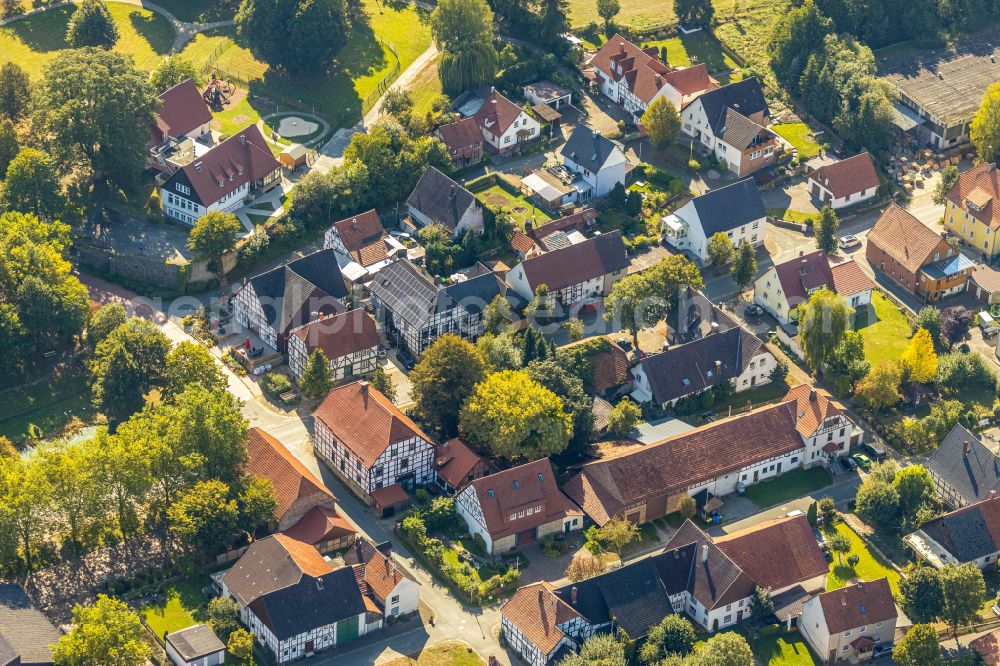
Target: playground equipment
(217, 94)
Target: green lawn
(700, 47)
(425, 88)
(783, 649)
(185, 605)
(788, 486)
(199, 11)
(738, 402)
(799, 135)
(871, 567)
(34, 41)
(520, 209)
(50, 405)
(885, 329)
(449, 653)
(790, 215)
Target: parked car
(820, 539)
(849, 242)
(850, 463)
(863, 461)
(882, 651)
(753, 309)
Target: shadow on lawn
(151, 28)
(45, 31)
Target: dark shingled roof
(24, 628)
(739, 131)
(729, 207)
(441, 199)
(577, 263)
(972, 475)
(745, 96)
(588, 148)
(414, 296)
(195, 642)
(970, 532)
(300, 287)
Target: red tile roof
(604, 488)
(850, 176)
(342, 334)
(577, 263)
(360, 231)
(455, 461)
(813, 406)
(691, 80)
(849, 279)
(797, 276)
(242, 158)
(777, 553)
(518, 489)
(390, 496)
(182, 110)
(988, 646)
(980, 186)
(858, 605)
(522, 242)
(608, 367)
(642, 70)
(320, 524)
(904, 238)
(365, 421)
(497, 114)
(381, 576)
(461, 134)
(268, 458)
(536, 611)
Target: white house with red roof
(847, 624)
(786, 286)
(349, 340)
(182, 113)
(635, 77)
(505, 125)
(221, 179)
(844, 183)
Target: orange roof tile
(381, 576)
(988, 646)
(776, 553)
(813, 406)
(320, 524)
(979, 186)
(455, 461)
(848, 278)
(390, 496)
(904, 238)
(850, 176)
(268, 458)
(536, 611)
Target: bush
(422, 496)
(275, 383)
(694, 165)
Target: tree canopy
(692, 13)
(463, 30)
(446, 376)
(985, 128)
(127, 365)
(15, 91)
(91, 25)
(107, 632)
(825, 229)
(316, 380)
(303, 36)
(171, 71)
(823, 320)
(213, 235)
(661, 122)
(32, 185)
(744, 266)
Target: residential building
(786, 286)
(306, 509)
(437, 199)
(575, 274)
(964, 470)
(457, 465)
(973, 209)
(196, 645)
(713, 348)
(608, 364)
(633, 77)
(415, 310)
(988, 647)
(362, 245)
(548, 93)
(707, 117)
(222, 178)
(273, 303)
(26, 635)
(182, 119)
(845, 182)
(598, 162)
(735, 209)
(534, 240)
(984, 282)
(293, 600)
(744, 146)
(349, 340)
(824, 425)
(505, 125)
(393, 589)
(914, 257)
(370, 444)
(847, 624)
(644, 483)
(513, 508)
(969, 534)
(464, 141)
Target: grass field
(449, 653)
(50, 405)
(887, 333)
(700, 47)
(788, 486)
(198, 11)
(783, 649)
(790, 215)
(520, 209)
(34, 41)
(185, 605)
(798, 134)
(871, 566)
(426, 87)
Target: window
(520, 514)
(795, 460)
(395, 610)
(846, 647)
(412, 446)
(531, 510)
(404, 464)
(538, 509)
(847, 633)
(394, 600)
(878, 625)
(506, 139)
(183, 189)
(378, 471)
(729, 607)
(862, 630)
(513, 516)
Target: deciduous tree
(223, 617)
(91, 25)
(921, 594)
(598, 650)
(106, 319)
(623, 417)
(879, 389)
(955, 324)
(576, 402)
(257, 503)
(190, 363)
(15, 91)
(513, 416)
(823, 320)
(204, 517)
(26, 494)
(687, 507)
(985, 128)
(445, 377)
(744, 266)
(919, 647)
(725, 649)
(316, 380)
(584, 566)
(661, 121)
(240, 645)
(825, 229)
(720, 249)
(929, 318)
(694, 12)
(497, 316)
(303, 36)
(32, 185)
(608, 10)
(878, 502)
(213, 235)
(171, 71)
(463, 30)
(949, 175)
(963, 591)
(920, 360)
(382, 382)
(841, 545)
(635, 303)
(107, 632)
(673, 635)
(127, 365)
(75, 485)
(9, 147)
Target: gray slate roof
(441, 199)
(974, 475)
(412, 295)
(729, 207)
(286, 291)
(745, 96)
(968, 533)
(195, 642)
(738, 130)
(588, 148)
(311, 603)
(26, 631)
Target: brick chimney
(704, 553)
(965, 449)
(572, 595)
(812, 394)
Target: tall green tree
(392, 161)
(794, 37)
(635, 302)
(949, 176)
(720, 249)
(127, 365)
(623, 417)
(125, 475)
(32, 185)
(879, 389)
(256, 503)
(497, 316)
(985, 128)
(106, 319)
(823, 320)
(95, 109)
(15, 91)
(463, 30)
(921, 594)
(694, 12)
(106, 632)
(190, 363)
(316, 380)
(26, 495)
(9, 146)
(171, 71)
(744, 267)
(204, 517)
(213, 235)
(302, 36)
(576, 401)
(673, 635)
(919, 647)
(661, 122)
(444, 379)
(826, 230)
(91, 25)
(963, 590)
(608, 10)
(382, 382)
(515, 417)
(724, 649)
(598, 650)
(76, 493)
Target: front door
(347, 630)
(525, 537)
(779, 468)
(755, 472)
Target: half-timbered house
(349, 340)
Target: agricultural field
(33, 41)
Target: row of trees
(672, 642)
(897, 499)
(882, 22)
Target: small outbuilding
(546, 92)
(293, 156)
(195, 646)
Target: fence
(387, 80)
